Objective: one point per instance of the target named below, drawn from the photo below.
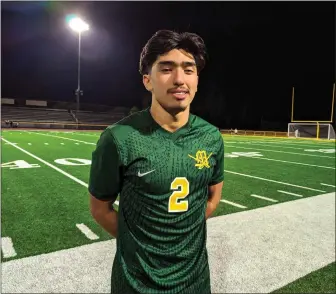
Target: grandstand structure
(42, 115)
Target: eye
(165, 70)
(188, 71)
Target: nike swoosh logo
(146, 173)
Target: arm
(104, 215)
(215, 195)
(105, 183)
(216, 184)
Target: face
(173, 80)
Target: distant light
(78, 25)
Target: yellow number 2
(174, 205)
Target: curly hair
(164, 41)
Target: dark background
(257, 52)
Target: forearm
(211, 207)
(108, 221)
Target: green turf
(41, 206)
(320, 281)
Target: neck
(168, 121)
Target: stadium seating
(27, 114)
(99, 118)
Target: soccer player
(167, 166)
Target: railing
(255, 133)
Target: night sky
(257, 52)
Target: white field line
(293, 162)
(320, 145)
(268, 145)
(63, 138)
(52, 166)
(273, 181)
(328, 185)
(281, 151)
(286, 142)
(233, 203)
(87, 232)
(290, 193)
(48, 164)
(7, 247)
(264, 198)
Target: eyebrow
(173, 63)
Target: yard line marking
(273, 181)
(273, 144)
(290, 193)
(46, 143)
(264, 198)
(48, 164)
(62, 143)
(77, 143)
(7, 247)
(52, 166)
(87, 232)
(63, 138)
(29, 143)
(328, 185)
(298, 143)
(294, 162)
(233, 203)
(283, 152)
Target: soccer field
(45, 203)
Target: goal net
(311, 130)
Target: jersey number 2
(174, 204)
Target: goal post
(315, 121)
(313, 130)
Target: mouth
(179, 95)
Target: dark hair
(164, 41)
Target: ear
(197, 83)
(146, 79)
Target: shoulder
(124, 128)
(201, 125)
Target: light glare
(78, 25)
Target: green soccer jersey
(162, 179)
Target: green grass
(320, 281)
(41, 206)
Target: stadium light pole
(79, 26)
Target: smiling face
(173, 80)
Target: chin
(174, 109)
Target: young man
(167, 166)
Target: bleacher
(27, 114)
(99, 118)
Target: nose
(179, 77)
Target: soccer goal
(311, 130)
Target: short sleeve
(218, 173)
(105, 172)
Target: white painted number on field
(73, 161)
(242, 154)
(19, 164)
(321, 150)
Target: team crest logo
(202, 160)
